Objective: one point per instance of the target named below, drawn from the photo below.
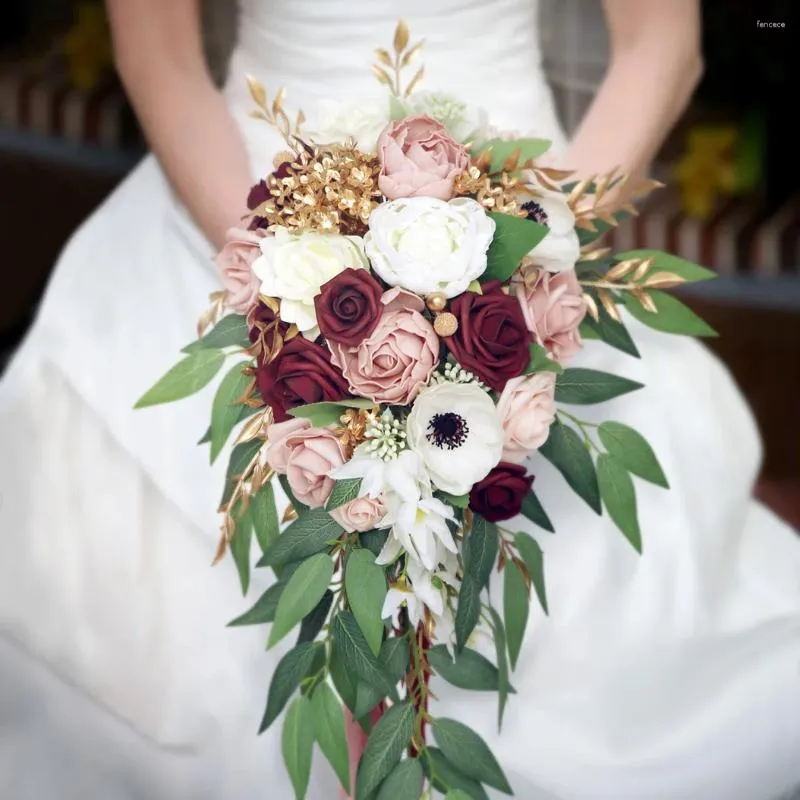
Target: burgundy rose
(349, 306)
(500, 494)
(301, 373)
(492, 338)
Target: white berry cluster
(386, 437)
(455, 373)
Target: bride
(675, 674)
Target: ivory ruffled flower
(428, 245)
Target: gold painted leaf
(382, 75)
(591, 307)
(622, 269)
(609, 305)
(643, 269)
(257, 91)
(415, 81)
(645, 301)
(578, 191)
(412, 54)
(277, 105)
(595, 255)
(384, 57)
(400, 37)
(251, 429)
(664, 280)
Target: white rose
(560, 249)
(363, 121)
(427, 245)
(292, 267)
(456, 431)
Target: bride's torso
(484, 52)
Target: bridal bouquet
(402, 304)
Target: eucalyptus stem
(582, 425)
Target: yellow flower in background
(707, 168)
(87, 46)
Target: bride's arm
(159, 55)
(655, 64)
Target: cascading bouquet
(406, 303)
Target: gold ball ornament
(436, 302)
(445, 324)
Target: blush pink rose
(396, 360)
(419, 158)
(361, 514)
(305, 455)
(553, 310)
(526, 408)
(235, 262)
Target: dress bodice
(484, 52)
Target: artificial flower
(500, 494)
(362, 121)
(396, 360)
(362, 514)
(553, 307)
(419, 158)
(428, 245)
(526, 409)
(415, 594)
(300, 374)
(464, 124)
(492, 339)
(560, 248)
(348, 306)
(293, 266)
(455, 429)
(266, 330)
(235, 263)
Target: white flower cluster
(455, 373)
(386, 437)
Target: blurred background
(68, 136)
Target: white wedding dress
(674, 674)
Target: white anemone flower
(560, 248)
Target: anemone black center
(447, 431)
(535, 212)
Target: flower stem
(583, 427)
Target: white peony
(427, 245)
(362, 121)
(292, 267)
(455, 429)
(560, 249)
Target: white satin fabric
(675, 674)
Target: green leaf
(264, 609)
(384, 748)
(446, 777)
(501, 150)
(224, 410)
(394, 659)
(565, 450)
(581, 386)
(357, 655)
(230, 331)
(313, 621)
(514, 238)
(469, 754)
(264, 515)
(243, 413)
(457, 794)
(671, 316)
(320, 415)
(502, 665)
(619, 497)
(631, 450)
(343, 492)
(298, 744)
(541, 362)
(455, 500)
(468, 610)
(532, 510)
(365, 585)
(330, 733)
(301, 595)
(291, 669)
(666, 262)
(404, 782)
(480, 550)
(374, 541)
(610, 331)
(469, 670)
(343, 679)
(241, 456)
(186, 378)
(533, 557)
(241, 549)
(307, 535)
(516, 605)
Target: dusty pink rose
(361, 514)
(527, 408)
(305, 455)
(553, 310)
(419, 158)
(235, 262)
(397, 359)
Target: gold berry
(445, 324)
(436, 302)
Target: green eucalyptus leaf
(468, 610)
(230, 331)
(304, 590)
(480, 550)
(532, 510)
(514, 237)
(297, 744)
(321, 415)
(225, 413)
(343, 492)
(394, 660)
(468, 670)
(241, 549)
(632, 451)
(541, 362)
(502, 665)
(240, 458)
(313, 621)
(330, 733)
(385, 747)
(355, 652)
(345, 682)
(365, 585)
(581, 386)
(374, 541)
(608, 330)
(619, 497)
(307, 535)
(455, 500)
(186, 378)
(670, 316)
(445, 776)
(516, 605)
(291, 669)
(533, 557)
(404, 782)
(264, 609)
(264, 514)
